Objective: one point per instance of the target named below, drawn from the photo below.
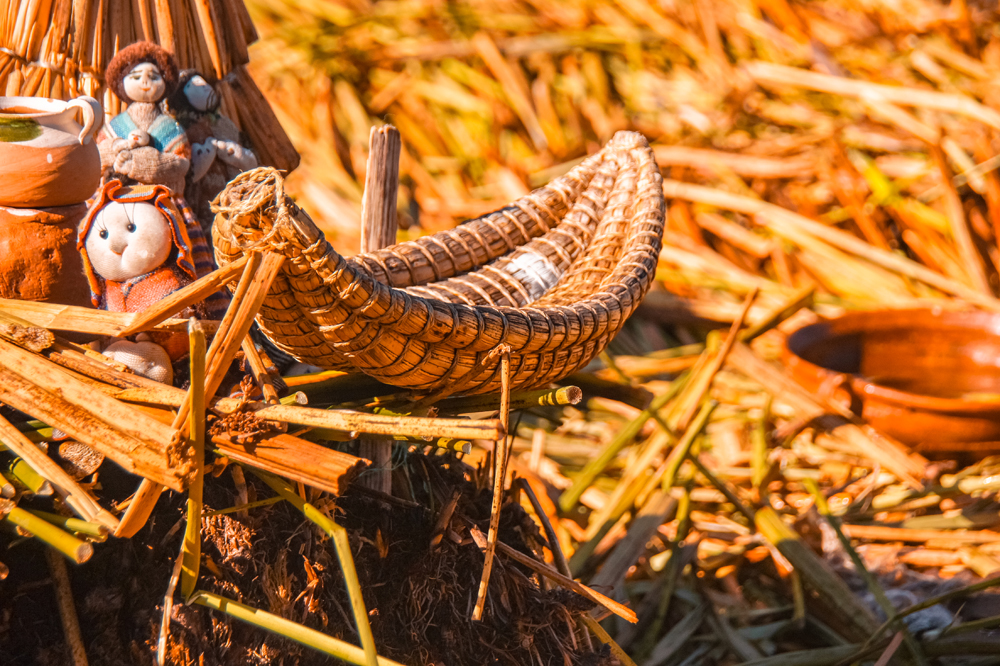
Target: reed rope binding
(553, 275)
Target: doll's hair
(135, 54)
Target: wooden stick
(246, 308)
(335, 419)
(378, 230)
(501, 455)
(378, 209)
(187, 296)
(191, 544)
(67, 609)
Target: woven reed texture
(554, 275)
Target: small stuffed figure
(217, 155)
(144, 144)
(136, 251)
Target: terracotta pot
(46, 157)
(930, 378)
(38, 256)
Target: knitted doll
(144, 144)
(217, 155)
(136, 251)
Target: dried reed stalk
(71, 492)
(777, 218)
(138, 443)
(770, 73)
(501, 457)
(559, 579)
(67, 608)
(909, 467)
(296, 459)
(83, 320)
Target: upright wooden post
(378, 230)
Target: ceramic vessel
(47, 157)
(928, 377)
(38, 256)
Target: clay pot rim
(29, 101)
(862, 320)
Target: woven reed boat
(554, 276)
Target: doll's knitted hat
(159, 196)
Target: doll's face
(200, 94)
(127, 240)
(144, 83)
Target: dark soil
(419, 597)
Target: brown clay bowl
(930, 377)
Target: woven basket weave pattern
(554, 275)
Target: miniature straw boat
(554, 276)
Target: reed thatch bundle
(60, 48)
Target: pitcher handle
(93, 117)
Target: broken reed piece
(260, 372)
(75, 549)
(501, 456)
(140, 444)
(71, 492)
(378, 230)
(565, 395)
(89, 321)
(297, 459)
(22, 334)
